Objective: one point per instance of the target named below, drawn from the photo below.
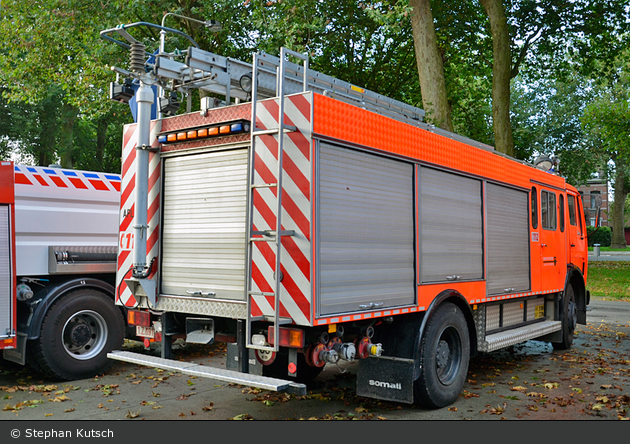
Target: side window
(534, 201)
(571, 204)
(561, 206)
(548, 210)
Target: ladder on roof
(273, 236)
(222, 75)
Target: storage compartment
(508, 240)
(451, 227)
(204, 225)
(365, 231)
(6, 278)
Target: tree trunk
(618, 232)
(501, 75)
(101, 139)
(430, 66)
(66, 135)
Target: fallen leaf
(242, 417)
(131, 414)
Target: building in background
(592, 192)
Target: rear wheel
(444, 356)
(569, 320)
(76, 335)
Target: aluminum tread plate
(202, 306)
(510, 337)
(203, 371)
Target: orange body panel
(548, 248)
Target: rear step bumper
(203, 371)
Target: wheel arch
(53, 292)
(456, 298)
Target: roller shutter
(366, 231)
(508, 240)
(6, 281)
(451, 227)
(204, 221)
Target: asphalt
(532, 381)
(609, 256)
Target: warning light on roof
(223, 129)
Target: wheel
(77, 333)
(569, 320)
(278, 368)
(444, 356)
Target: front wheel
(444, 356)
(569, 320)
(76, 335)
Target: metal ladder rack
(222, 75)
(274, 237)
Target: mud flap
(18, 354)
(386, 378)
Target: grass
(609, 280)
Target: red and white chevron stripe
(296, 291)
(127, 209)
(68, 179)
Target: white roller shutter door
(6, 281)
(204, 224)
(508, 240)
(451, 227)
(366, 231)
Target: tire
(278, 368)
(569, 320)
(78, 331)
(444, 357)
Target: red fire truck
(58, 243)
(307, 221)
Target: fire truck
(58, 242)
(307, 221)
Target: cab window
(534, 202)
(571, 205)
(548, 210)
(561, 207)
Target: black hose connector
(145, 274)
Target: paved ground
(530, 381)
(610, 256)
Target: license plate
(539, 312)
(145, 332)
